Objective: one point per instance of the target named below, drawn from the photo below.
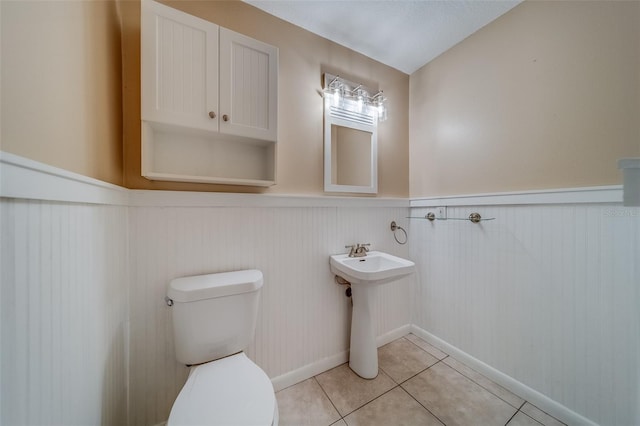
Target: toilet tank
(214, 315)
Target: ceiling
(404, 34)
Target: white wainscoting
(304, 320)
(547, 295)
(74, 274)
(63, 303)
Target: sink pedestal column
(363, 354)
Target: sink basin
(375, 268)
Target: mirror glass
(350, 156)
(350, 152)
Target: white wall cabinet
(209, 101)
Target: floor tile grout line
(422, 349)
(422, 405)
(327, 395)
(542, 411)
(449, 356)
(420, 372)
(392, 379)
(488, 390)
(414, 398)
(535, 420)
(290, 386)
(525, 414)
(439, 359)
(511, 418)
(369, 402)
(468, 378)
(518, 409)
(479, 378)
(396, 385)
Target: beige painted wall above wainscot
(547, 96)
(303, 57)
(62, 86)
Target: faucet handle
(364, 246)
(352, 249)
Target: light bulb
(336, 96)
(382, 111)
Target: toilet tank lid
(200, 287)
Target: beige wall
(61, 85)
(303, 59)
(547, 96)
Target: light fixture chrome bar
(341, 90)
(336, 78)
(377, 95)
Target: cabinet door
(179, 68)
(248, 87)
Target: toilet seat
(228, 391)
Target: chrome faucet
(358, 250)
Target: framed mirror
(351, 117)
(350, 153)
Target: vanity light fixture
(379, 101)
(359, 97)
(355, 97)
(336, 95)
(334, 89)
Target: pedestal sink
(365, 275)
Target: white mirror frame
(335, 115)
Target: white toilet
(214, 320)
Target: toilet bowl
(229, 391)
(214, 318)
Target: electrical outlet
(441, 212)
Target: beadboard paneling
(304, 316)
(548, 295)
(63, 304)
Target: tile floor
(417, 385)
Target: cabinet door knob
(225, 117)
(212, 114)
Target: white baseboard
(393, 335)
(541, 401)
(305, 372)
(315, 368)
